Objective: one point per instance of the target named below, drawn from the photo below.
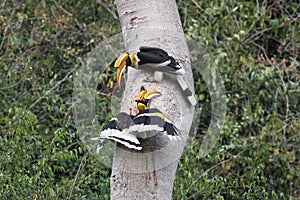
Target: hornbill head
(144, 97)
(122, 63)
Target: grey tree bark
(150, 174)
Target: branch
(80, 168)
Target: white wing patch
(159, 64)
(122, 137)
(143, 128)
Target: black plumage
(158, 59)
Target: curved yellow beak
(121, 64)
(144, 98)
(147, 95)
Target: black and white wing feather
(117, 130)
(153, 120)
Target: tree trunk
(150, 174)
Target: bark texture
(150, 174)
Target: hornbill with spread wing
(117, 128)
(126, 129)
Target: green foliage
(42, 42)
(256, 48)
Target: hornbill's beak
(145, 96)
(122, 63)
(150, 120)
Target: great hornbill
(155, 60)
(126, 129)
(151, 119)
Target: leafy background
(256, 47)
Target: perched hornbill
(157, 61)
(118, 127)
(151, 119)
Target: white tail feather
(184, 87)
